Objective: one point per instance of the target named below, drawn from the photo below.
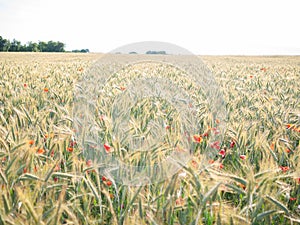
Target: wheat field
(254, 177)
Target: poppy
(89, 163)
(287, 150)
(72, 143)
(31, 142)
(108, 183)
(107, 147)
(222, 152)
(197, 138)
(232, 143)
(263, 69)
(272, 146)
(179, 201)
(215, 145)
(211, 161)
(194, 164)
(215, 130)
(46, 89)
(40, 151)
(70, 149)
(242, 186)
(205, 134)
(284, 168)
(242, 157)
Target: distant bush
(82, 50)
(156, 52)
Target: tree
(53, 46)
(42, 46)
(15, 46)
(32, 47)
(4, 44)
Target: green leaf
(279, 204)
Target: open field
(254, 178)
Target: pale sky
(202, 27)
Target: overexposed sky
(200, 26)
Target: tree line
(42, 46)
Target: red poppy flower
(293, 199)
(197, 138)
(122, 88)
(72, 143)
(103, 178)
(89, 163)
(46, 89)
(70, 149)
(205, 134)
(215, 145)
(232, 143)
(287, 150)
(25, 85)
(215, 130)
(108, 183)
(107, 147)
(284, 168)
(179, 201)
(40, 151)
(221, 166)
(272, 146)
(31, 142)
(57, 168)
(222, 152)
(242, 157)
(263, 69)
(194, 164)
(211, 161)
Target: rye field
(252, 175)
